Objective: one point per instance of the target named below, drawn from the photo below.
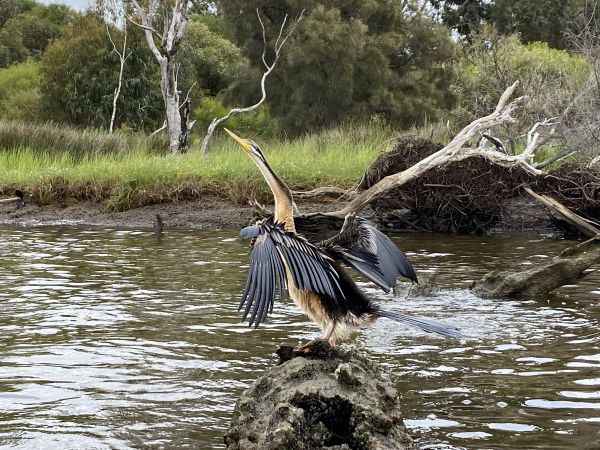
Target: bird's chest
(308, 301)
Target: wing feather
(366, 249)
(275, 250)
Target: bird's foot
(317, 345)
(306, 347)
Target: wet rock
(334, 399)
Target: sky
(75, 4)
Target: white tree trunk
(170, 38)
(170, 95)
(122, 58)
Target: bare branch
(164, 126)
(145, 27)
(454, 151)
(281, 31)
(587, 227)
(234, 111)
(292, 29)
(532, 138)
(187, 96)
(558, 156)
(264, 35)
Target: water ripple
(114, 339)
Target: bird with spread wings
(284, 263)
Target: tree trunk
(170, 95)
(170, 40)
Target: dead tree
(457, 155)
(281, 39)
(164, 46)
(454, 151)
(122, 58)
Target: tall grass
(60, 138)
(124, 176)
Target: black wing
(275, 251)
(363, 247)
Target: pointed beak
(243, 142)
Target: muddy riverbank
(521, 214)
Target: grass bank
(132, 173)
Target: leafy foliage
(85, 96)
(27, 28)
(19, 92)
(536, 20)
(549, 77)
(256, 123)
(464, 16)
(347, 61)
(208, 59)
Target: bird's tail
(430, 326)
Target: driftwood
(454, 151)
(324, 192)
(587, 227)
(563, 269)
(9, 200)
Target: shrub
(19, 95)
(255, 123)
(550, 78)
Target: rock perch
(329, 399)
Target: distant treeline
(398, 64)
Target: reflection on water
(114, 339)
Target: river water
(117, 339)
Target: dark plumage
(282, 261)
(366, 249)
(21, 196)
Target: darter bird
(283, 261)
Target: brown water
(114, 339)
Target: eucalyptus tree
(79, 70)
(164, 23)
(346, 62)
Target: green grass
(128, 178)
(59, 138)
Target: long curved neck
(284, 205)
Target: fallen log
(454, 151)
(324, 192)
(332, 398)
(566, 268)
